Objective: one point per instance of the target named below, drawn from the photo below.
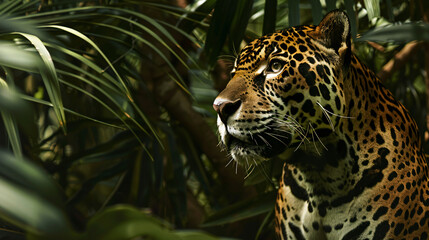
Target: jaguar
(358, 170)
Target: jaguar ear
(334, 32)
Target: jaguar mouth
(261, 146)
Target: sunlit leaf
(49, 76)
(89, 41)
(14, 57)
(373, 8)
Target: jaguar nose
(226, 108)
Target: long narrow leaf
(7, 6)
(111, 110)
(349, 4)
(373, 8)
(294, 15)
(389, 9)
(219, 28)
(49, 76)
(98, 69)
(89, 41)
(188, 22)
(239, 22)
(9, 121)
(331, 5)
(316, 11)
(270, 14)
(14, 57)
(40, 101)
(241, 210)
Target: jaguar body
(359, 170)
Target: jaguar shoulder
(364, 175)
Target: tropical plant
(107, 125)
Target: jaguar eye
(276, 66)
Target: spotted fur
(363, 174)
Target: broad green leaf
(242, 210)
(124, 222)
(294, 18)
(398, 33)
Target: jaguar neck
(347, 166)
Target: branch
(399, 60)
(376, 46)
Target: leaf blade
(50, 78)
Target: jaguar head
(285, 88)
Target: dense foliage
(107, 129)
